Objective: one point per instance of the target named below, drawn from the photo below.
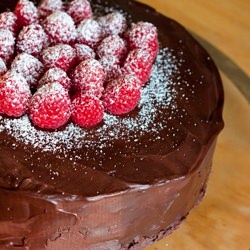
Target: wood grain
(222, 220)
(225, 23)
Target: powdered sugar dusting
(26, 12)
(79, 10)
(113, 23)
(89, 32)
(8, 20)
(60, 27)
(3, 67)
(55, 75)
(84, 52)
(31, 39)
(112, 46)
(46, 7)
(159, 93)
(89, 76)
(7, 43)
(60, 55)
(29, 66)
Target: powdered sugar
(113, 24)
(89, 76)
(111, 67)
(112, 46)
(159, 93)
(138, 63)
(14, 94)
(26, 12)
(79, 10)
(46, 7)
(84, 52)
(55, 75)
(61, 56)
(89, 32)
(3, 67)
(7, 43)
(60, 27)
(32, 39)
(29, 66)
(50, 106)
(8, 20)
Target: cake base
(51, 223)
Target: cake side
(110, 222)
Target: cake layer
(132, 178)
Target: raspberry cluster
(60, 64)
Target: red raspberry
(88, 77)
(32, 39)
(144, 35)
(59, 56)
(50, 106)
(122, 95)
(79, 10)
(113, 24)
(14, 94)
(111, 67)
(60, 28)
(112, 46)
(55, 75)
(8, 20)
(89, 33)
(87, 110)
(26, 12)
(47, 7)
(3, 68)
(7, 45)
(84, 52)
(138, 63)
(29, 67)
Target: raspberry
(88, 77)
(8, 20)
(26, 12)
(143, 35)
(112, 46)
(29, 67)
(87, 110)
(113, 24)
(50, 106)
(138, 63)
(111, 67)
(79, 10)
(60, 27)
(32, 39)
(7, 45)
(89, 33)
(84, 52)
(47, 7)
(59, 56)
(14, 94)
(3, 68)
(55, 75)
(122, 95)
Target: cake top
(174, 119)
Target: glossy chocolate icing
(116, 188)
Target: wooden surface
(222, 220)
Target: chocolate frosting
(131, 179)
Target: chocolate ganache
(128, 181)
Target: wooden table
(222, 220)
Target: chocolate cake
(128, 181)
